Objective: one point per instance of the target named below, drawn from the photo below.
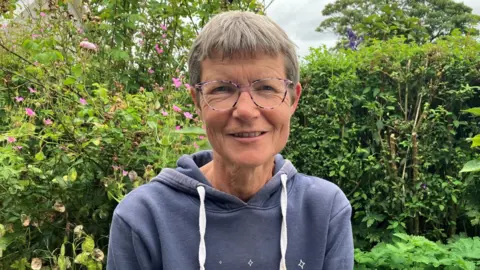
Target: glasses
(265, 93)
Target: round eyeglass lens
(267, 93)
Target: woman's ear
(298, 93)
(196, 98)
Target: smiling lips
(248, 134)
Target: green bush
(82, 124)
(386, 124)
(417, 252)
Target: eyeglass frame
(199, 88)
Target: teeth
(247, 134)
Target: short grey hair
(246, 33)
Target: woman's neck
(241, 182)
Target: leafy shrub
(417, 252)
(89, 110)
(385, 123)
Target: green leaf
(379, 124)
(376, 91)
(88, 245)
(40, 156)
(454, 198)
(77, 70)
(476, 141)
(72, 175)
(370, 222)
(441, 207)
(69, 81)
(192, 131)
(475, 111)
(471, 166)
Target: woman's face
(226, 130)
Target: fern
(417, 252)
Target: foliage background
(80, 128)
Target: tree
(418, 20)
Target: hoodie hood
(187, 177)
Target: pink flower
(114, 167)
(18, 147)
(32, 90)
(161, 88)
(34, 36)
(188, 115)
(177, 82)
(196, 145)
(201, 137)
(124, 173)
(150, 71)
(164, 35)
(42, 14)
(187, 85)
(47, 122)
(29, 112)
(88, 45)
(164, 27)
(177, 109)
(164, 113)
(19, 99)
(83, 101)
(178, 127)
(158, 49)
(11, 139)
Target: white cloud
(299, 19)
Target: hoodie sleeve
(126, 250)
(339, 254)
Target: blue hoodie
(178, 221)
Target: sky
(299, 18)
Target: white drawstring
(283, 235)
(202, 223)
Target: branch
(14, 53)
(14, 73)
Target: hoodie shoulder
(142, 200)
(318, 191)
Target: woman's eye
(267, 88)
(223, 89)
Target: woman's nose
(245, 108)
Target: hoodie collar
(187, 176)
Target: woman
(240, 206)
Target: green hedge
(385, 123)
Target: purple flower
(83, 101)
(177, 82)
(176, 108)
(19, 99)
(164, 27)
(32, 90)
(158, 49)
(188, 115)
(29, 112)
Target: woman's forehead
(260, 64)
